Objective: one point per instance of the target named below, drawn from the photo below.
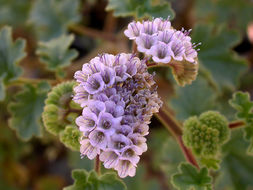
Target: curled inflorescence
(118, 97)
(158, 39)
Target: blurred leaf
(194, 99)
(216, 56)
(27, 109)
(190, 178)
(140, 8)
(237, 168)
(70, 137)
(241, 102)
(2, 90)
(14, 12)
(56, 53)
(49, 182)
(236, 13)
(85, 180)
(52, 17)
(76, 162)
(136, 183)
(10, 55)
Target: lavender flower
(118, 97)
(176, 45)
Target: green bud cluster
(206, 134)
(71, 137)
(56, 115)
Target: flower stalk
(174, 128)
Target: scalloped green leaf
(217, 57)
(140, 8)
(11, 53)
(194, 99)
(244, 106)
(189, 178)
(52, 17)
(235, 13)
(236, 167)
(85, 180)
(27, 109)
(70, 137)
(14, 12)
(56, 53)
(211, 163)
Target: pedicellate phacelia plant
(119, 96)
(130, 83)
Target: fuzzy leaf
(189, 178)
(2, 90)
(236, 13)
(210, 163)
(56, 53)
(244, 106)
(14, 12)
(190, 101)
(27, 109)
(85, 180)
(241, 102)
(52, 17)
(70, 137)
(216, 56)
(140, 8)
(11, 52)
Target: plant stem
(97, 165)
(174, 128)
(236, 124)
(92, 32)
(23, 80)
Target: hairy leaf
(189, 178)
(14, 12)
(140, 8)
(11, 53)
(216, 56)
(70, 137)
(27, 109)
(236, 167)
(244, 106)
(56, 53)
(52, 17)
(236, 13)
(85, 180)
(211, 163)
(194, 99)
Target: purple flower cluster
(158, 39)
(118, 97)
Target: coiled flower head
(206, 134)
(118, 97)
(157, 39)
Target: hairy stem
(174, 128)
(97, 165)
(82, 30)
(22, 80)
(236, 124)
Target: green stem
(23, 80)
(174, 128)
(82, 30)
